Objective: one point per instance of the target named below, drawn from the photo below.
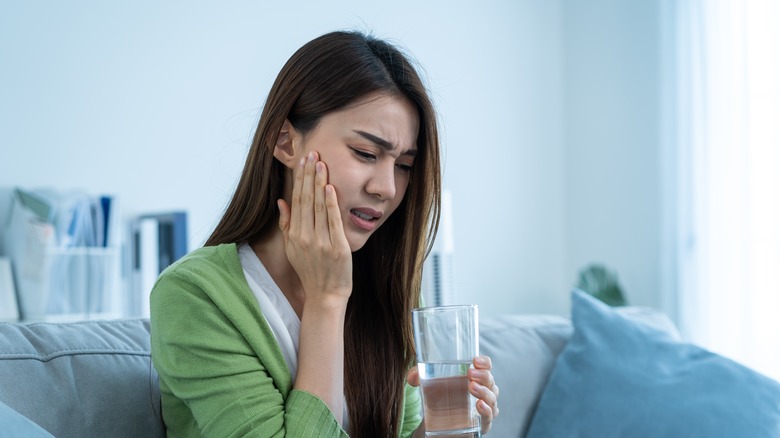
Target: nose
(382, 183)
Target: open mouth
(363, 215)
(365, 218)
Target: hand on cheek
(314, 234)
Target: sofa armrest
(82, 379)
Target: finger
(484, 394)
(335, 226)
(284, 217)
(483, 363)
(483, 377)
(296, 195)
(306, 213)
(320, 210)
(483, 386)
(486, 414)
(413, 377)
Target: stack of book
(63, 249)
(156, 242)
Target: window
(725, 105)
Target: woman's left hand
(481, 385)
(484, 388)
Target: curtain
(726, 86)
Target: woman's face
(369, 150)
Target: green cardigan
(221, 370)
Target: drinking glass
(447, 340)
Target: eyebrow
(381, 142)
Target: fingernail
(311, 156)
(303, 162)
(318, 167)
(480, 360)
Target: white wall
(612, 136)
(549, 156)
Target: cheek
(343, 183)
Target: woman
(295, 317)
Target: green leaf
(602, 283)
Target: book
(149, 249)
(157, 240)
(172, 237)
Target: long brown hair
(325, 75)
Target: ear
(285, 147)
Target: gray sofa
(85, 379)
(95, 379)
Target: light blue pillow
(16, 425)
(620, 378)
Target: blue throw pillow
(15, 425)
(620, 378)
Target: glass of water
(447, 340)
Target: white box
(9, 308)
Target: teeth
(362, 215)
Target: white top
(284, 322)
(277, 310)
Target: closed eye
(364, 155)
(404, 167)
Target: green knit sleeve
(412, 411)
(308, 416)
(213, 380)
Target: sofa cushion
(17, 425)
(524, 348)
(617, 377)
(82, 379)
